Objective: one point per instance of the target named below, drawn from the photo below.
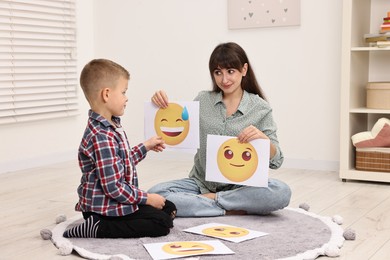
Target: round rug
(292, 234)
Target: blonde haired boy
(110, 200)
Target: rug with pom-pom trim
(293, 233)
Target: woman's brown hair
(230, 55)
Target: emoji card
(226, 232)
(229, 161)
(178, 124)
(169, 250)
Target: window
(38, 67)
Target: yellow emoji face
(237, 161)
(225, 231)
(187, 248)
(172, 123)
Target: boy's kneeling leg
(146, 222)
(132, 228)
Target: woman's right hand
(160, 99)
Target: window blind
(38, 66)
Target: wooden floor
(30, 201)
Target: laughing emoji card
(178, 124)
(229, 161)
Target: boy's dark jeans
(147, 221)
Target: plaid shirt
(109, 182)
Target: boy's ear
(105, 94)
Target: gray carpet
(293, 234)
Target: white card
(177, 249)
(178, 124)
(229, 161)
(226, 232)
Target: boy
(109, 198)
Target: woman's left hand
(251, 133)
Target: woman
(236, 106)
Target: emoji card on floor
(229, 161)
(226, 232)
(178, 124)
(177, 249)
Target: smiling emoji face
(225, 231)
(237, 161)
(187, 248)
(172, 123)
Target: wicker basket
(373, 159)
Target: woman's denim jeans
(185, 194)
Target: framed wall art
(263, 13)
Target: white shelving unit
(361, 63)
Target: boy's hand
(155, 143)
(155, 200)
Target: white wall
(166, 45)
